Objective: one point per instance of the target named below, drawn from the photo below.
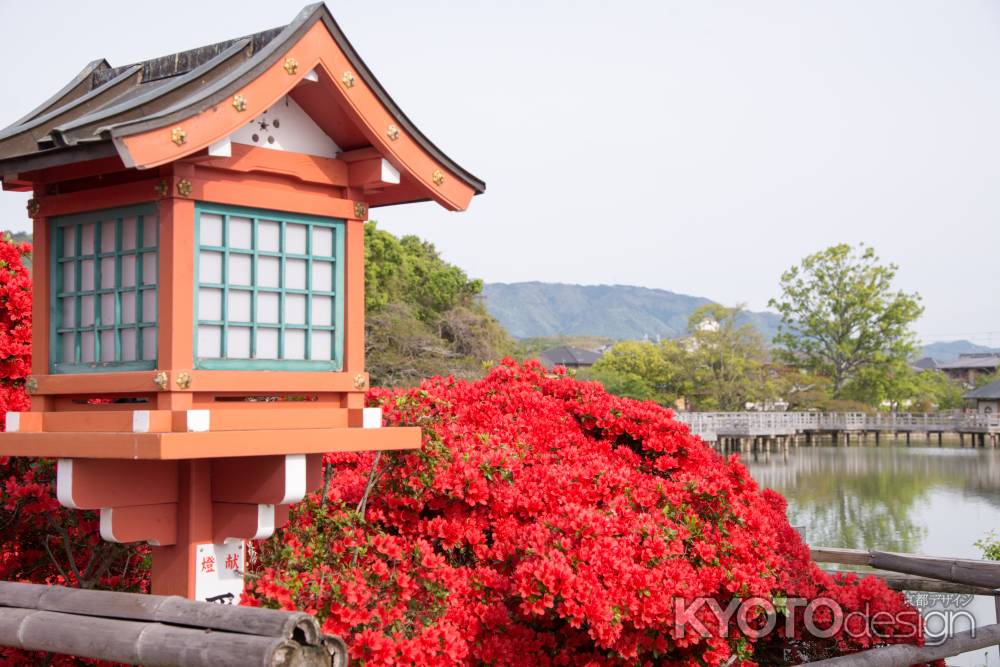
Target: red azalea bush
(39, 540)
(543, 521)
(547, 522)
(15, 326)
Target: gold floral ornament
(438, 177)
(360, 210)
(240, 103)
(178, 136)
(184, 187)
(291, 66)
(392, 132)
(33, 207)
(183, 380)
(31, 385)
(162, 188)
(348, 79)
(161, 380)
(359, 381)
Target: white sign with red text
(219, 572)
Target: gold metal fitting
(360, 381)
(240, 103)
(183, 380)
(438, 177)
(162, 188)
(33, 207)
(348, 79)
(178, 136)
(184, 187)
(161, 380)
(360, 210)
(392, 132)
(291, 65)
(31, 385)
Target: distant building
(569, 357)
(968, 367)
(926, 364)
(987, 398)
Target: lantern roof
(166, 109)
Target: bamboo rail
(713, 425)
(908, 582)
(904, 655)
(919, 573)
(155, 630)
(979, 573)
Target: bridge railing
(786, 423)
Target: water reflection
(927, 500)
(865, 497)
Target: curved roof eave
(64, 92)
(104, 131)
(266, 58)
(63, 131)
(32, 123)
(221, 89)
(473, 181)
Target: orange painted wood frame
(302, 167)
(131, 382)
(41, 296)
(204, 445)
(280, 192)
(176, 279)
(258, 416)
(316, 50)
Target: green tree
(840, 315)
(983, 380)
(726, 362)
(719, 365)
(898, 386)
(411, 271)
(901, 387)
(423, 316)
(801, 389)
(643, 370)
(990, 546)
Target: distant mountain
(950, 350)
(611, 311)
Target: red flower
(546, 522)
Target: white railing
(788, 423)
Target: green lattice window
(104, 285)
(269, 290)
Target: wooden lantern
(199, 285)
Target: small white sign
(219, 572)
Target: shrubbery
(423, 315)
(543, 521)
(40, 541)
(547, 522)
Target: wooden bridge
(745, 430)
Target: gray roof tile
(989, 391)
(102, 103)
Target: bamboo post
(910, 582)
(972, 573)
(985, 574)
(155, 630)
(903, 655)
(163, 609)
(149, 644)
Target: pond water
(928, 500)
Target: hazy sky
(699, 146)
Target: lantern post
(199, 285)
